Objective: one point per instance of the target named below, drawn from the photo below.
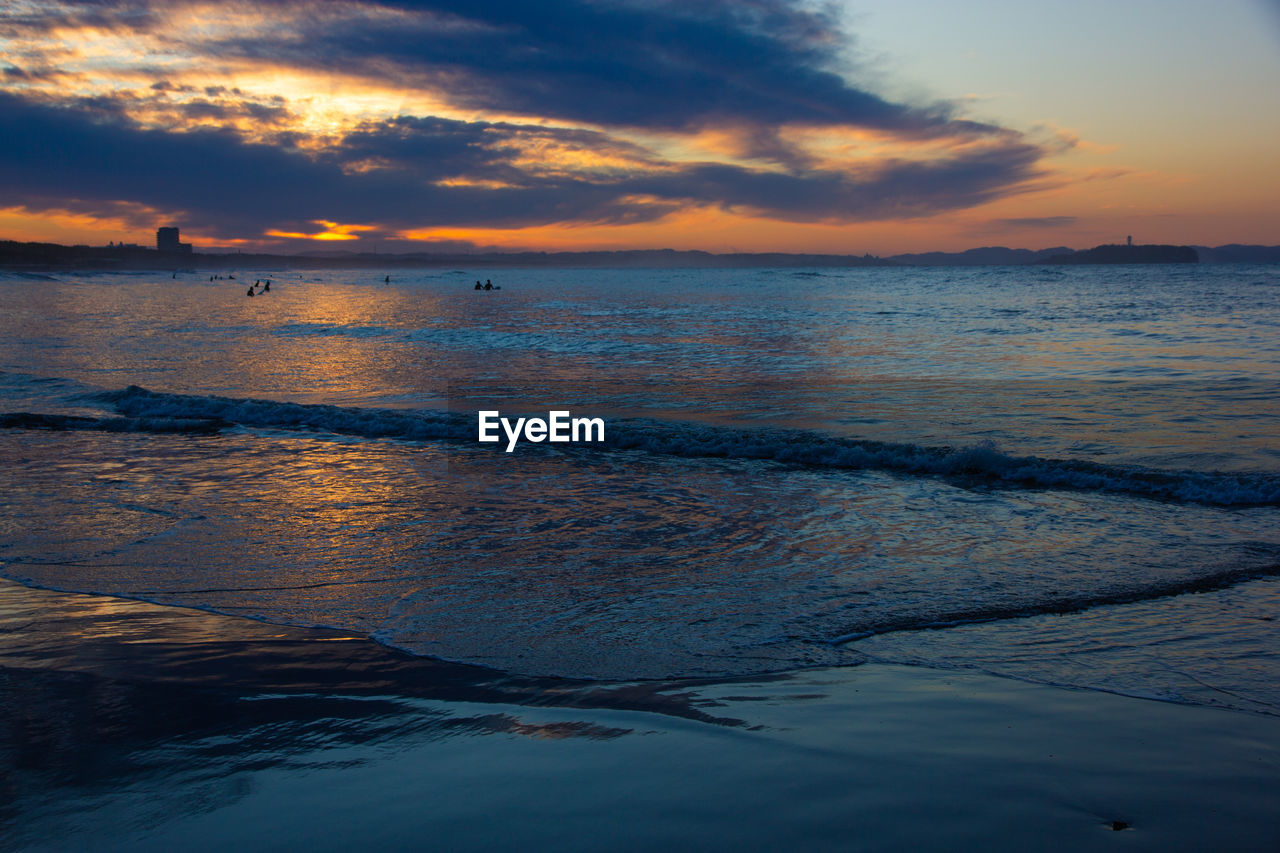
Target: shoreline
(136, 640)
(138, 726)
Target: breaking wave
(59, 423)
(1213, 580)
(983, 465)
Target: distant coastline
(1117, 254)
(53, 256)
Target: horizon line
(218, 251)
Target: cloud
(21, 20)
(897, 189)
(658, 64)
(416, 172)
(591, 78)
(50, 156)
(623, 63)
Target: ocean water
(1069, 476)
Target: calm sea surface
(1064, 475)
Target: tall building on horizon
(167, 241)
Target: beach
(864, 559)
(130, 726)
(639, 425)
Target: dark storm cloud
(166, 86)
(892, 190)
(436, 147)
(96, 14)
(669, 65)
(662, 64)
(57, 157)
(448, 148)
(747, 67)
(260, 114)
(49, 155)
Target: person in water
(488, 285)
(479, 286)
(266, 287)
(387, 279)
(250, 291)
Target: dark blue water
(1064, 475)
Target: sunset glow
(590, 125)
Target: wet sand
(130, 726)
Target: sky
(856, 127)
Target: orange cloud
(332, 231)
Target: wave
(136, 402)
(59, 423)
(981, 465)
(977, 465)
(25, 276)
(1222, 579)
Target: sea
(1064, 475)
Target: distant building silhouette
(167, 241)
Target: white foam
(976, 465)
